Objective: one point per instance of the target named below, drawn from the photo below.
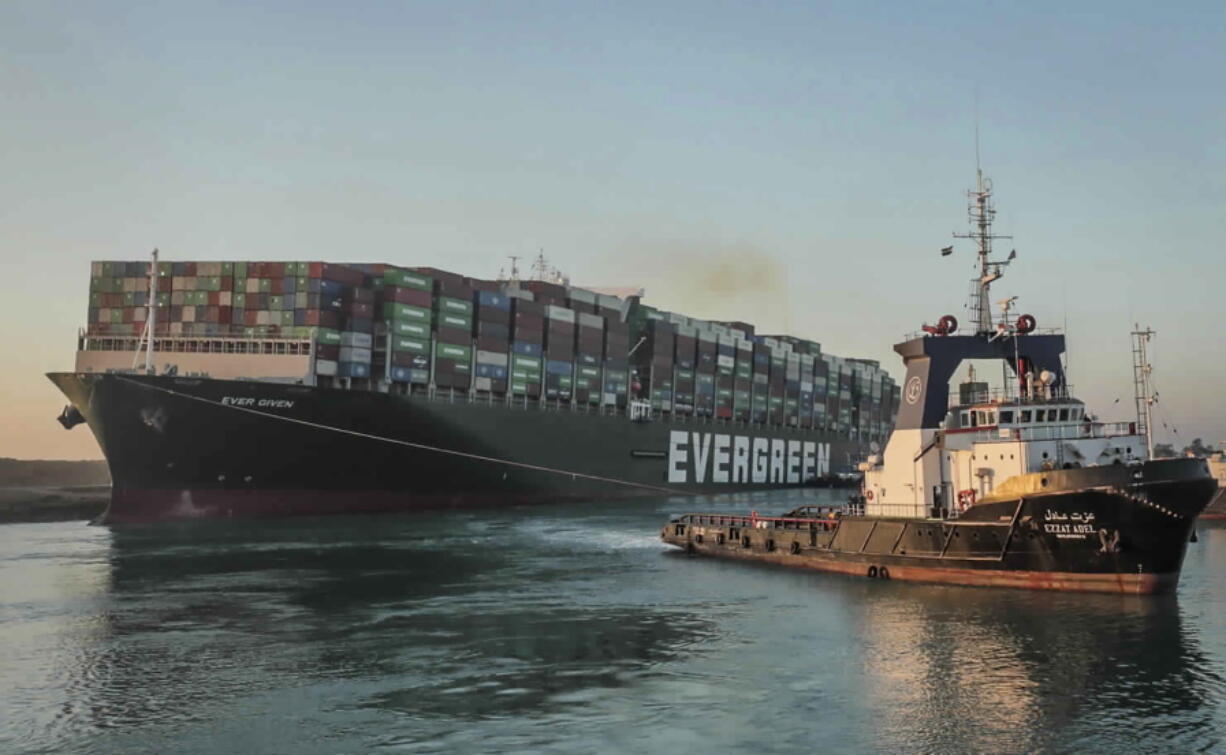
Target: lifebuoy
(1026, 324)
(868, 495)
(966, 498)
(948, 324)
(872, 572)
(884, 573)
(795, 548)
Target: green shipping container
(276, 302)
(227, 269)
(453, 351)
(454, 306)
(394, 276)
(287, 318)
(327, 335)
(397, 312)
(455, 321)
(265, 285)
(239, 301)
(589, 372)
(399, 343)
(240, 269)
(413, 329)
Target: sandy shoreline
(52, 503)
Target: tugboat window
(1025, 416)
(1006, 417)
(1040, 415)
(1064, 415)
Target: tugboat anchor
(70, 417)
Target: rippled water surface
(570, 629)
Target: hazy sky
(819, 151)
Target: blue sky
(820, 150)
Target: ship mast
(1141, 369)
(982, 212)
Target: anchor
(70, 417)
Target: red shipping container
(410, 296)
(211, 314)
(165, 284)
(224, 314)
(362, 294)
(315, 269)
(493, 343)
(252, 317)
(275, 269)
(191, 269)
(214, 298)
(276, 286)
(477, 284)
(529, 322)
(341, 274)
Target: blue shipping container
(526, 349)
(493, 300)
(353, 369)
(559, 368)
(491, 371)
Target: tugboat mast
(1141, 369)
(982, 212)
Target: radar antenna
(982, 212)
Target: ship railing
(1071, 431)
(757, 521)
(1011, 396)
(175, 343)
(965, 330)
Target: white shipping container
(225, 299)
(253, 286)
(325, 367)
(518, 293)
(491, 357)
(189, 314)
(354, 354)
(559, 313)
(686, 330)
(359, 340)
(483, 384)
(579, 294)
(611, 302)
(706, 336)
(726, 361)
(264, 317)
(591, 321)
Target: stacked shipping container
(425, 326)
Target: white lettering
(720, 473)
(809, 471)
(677, 455)
(761, 451)
(740, 458)
(777, 452)
(823, 464)
(702, 454)
(793, 462)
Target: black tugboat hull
(1106, 539)
(184, 448)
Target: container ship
(227, 389)
(1018, 487)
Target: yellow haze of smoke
(736, 282)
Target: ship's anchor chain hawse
(394, 441)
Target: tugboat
(1021, 487)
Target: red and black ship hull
(1125, 533)
(184, 447)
